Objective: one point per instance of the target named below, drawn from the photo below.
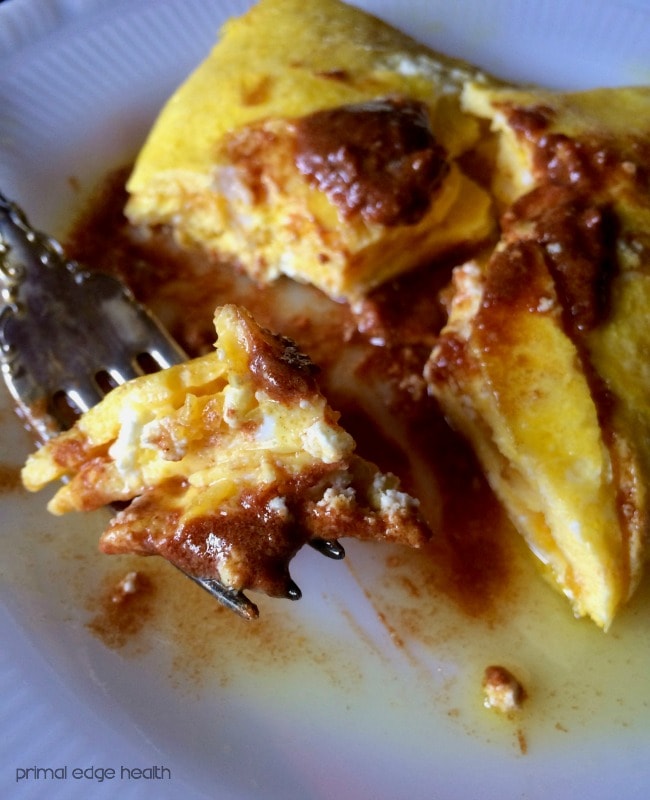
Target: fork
(69, 335)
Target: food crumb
(9, 478)
(502, 690)
(523, 742)
(129, 585)
(123, 609)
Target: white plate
(331, 697)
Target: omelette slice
(227, 464)
(544, 362)
(315, 141)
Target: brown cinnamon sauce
(378, 159)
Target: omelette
(227, 464)
(544, 361)
(316, 142)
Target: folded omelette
(543, 363)
(316, 142)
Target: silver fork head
(65, 331)
(68, 335)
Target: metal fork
(68, 335)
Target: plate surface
(331, 697)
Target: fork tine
(83, 395)
(292, 590)
(121, 374)
(233, 599)
(331, 548)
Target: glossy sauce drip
(578, 239)
(278, 368)
(378, 159)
